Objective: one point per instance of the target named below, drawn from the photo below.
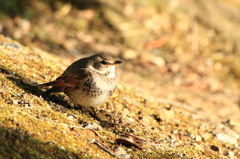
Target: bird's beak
(115, 63)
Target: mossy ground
(36, 125)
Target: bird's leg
(92, 112)
(95, 114)
(83, 109)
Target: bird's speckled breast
(94, 90)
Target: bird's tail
(47, 84)
(55, 87)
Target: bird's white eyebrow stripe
(112, 74)
(91, 68)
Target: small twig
(134, 137)
(106, 150)
(94, 132)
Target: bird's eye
(104, 62)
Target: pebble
(93, 126)
(70, 117)
(214, 148)
(230, 153)
(227, 138)
(198, 138)
(52, 142)
(175, 131)
(131, 120)
(119, 151)
(206, 136)
(33, 81)
(15, 102)
(125, 156)
(159, 61)
(12, 45)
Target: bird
(89, 81)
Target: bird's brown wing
(68, 80)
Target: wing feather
(69, 80)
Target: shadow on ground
(19, 144)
